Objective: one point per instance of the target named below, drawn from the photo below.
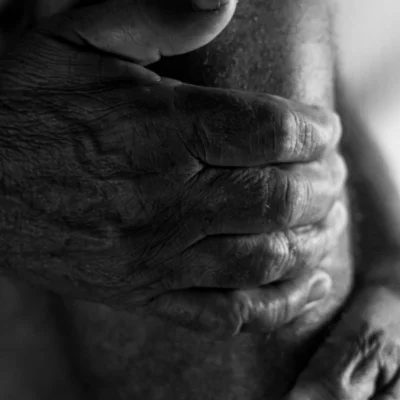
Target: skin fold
(116, 352)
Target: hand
(361, 358)
(213, 208)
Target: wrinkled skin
(241, 357)
(140, 191)
(360, 358)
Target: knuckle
(330, 126)
(279, 310)
(295, 194)
(282, 256)
(284, 139)
(244, 262)
(262, 259)
(298, 136)
(326, 129)
(252, 261)
(307, 142)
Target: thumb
(145, 30)
(226, 313)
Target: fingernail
(209, 5)
(319, 289)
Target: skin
(194, 356)
(185, 346)
(363, 347)
(238, 295)
(159, 240)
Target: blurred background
(369, 41)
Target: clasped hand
(213, 208)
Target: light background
(369, 40)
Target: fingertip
(320, 286)
(305, 293)
(136, 72)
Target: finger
(225, 128)
(240, 129)
(274, 306)
(252, 261)
(226, 313)
(341, 370)
(353, 363)
(255, 201)
(310, 190)
(360, 358)
(222, 127)
(145, 30)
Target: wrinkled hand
(213, 208)
(361, 358)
